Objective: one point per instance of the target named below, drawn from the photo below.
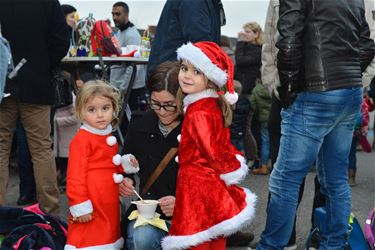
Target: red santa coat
(91, 189)
(208, 204)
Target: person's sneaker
(352, 182)
(291, 247)
(240, 239)
(263, 170)
(314, 242)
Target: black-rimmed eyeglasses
(167, 107)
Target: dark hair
(123, 5)
(67, 9)
(164, 77)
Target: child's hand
(133, 161)
(127, 187)
(167, 205)
(364, 130)
(84, 218)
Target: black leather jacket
(323, 44)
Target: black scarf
(125, 26)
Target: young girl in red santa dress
(209, 206)
(93, 171)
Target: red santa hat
(212, 61)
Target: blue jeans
(144, 237)
(353, 154)
(238, 143)
(265, 145)
(318, 126)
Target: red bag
(103, 41)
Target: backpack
(6, 64)
(356, 239)
(30, 228)
(103, 41)
(81, 36)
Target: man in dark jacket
(36, 31)
(323, 47)
(184, 21)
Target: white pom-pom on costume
(179, 138)
(111, 140)
(127, 165)
(116, 160)
(176, 159)
(232, 98)
(118, 178)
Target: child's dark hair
(164, 77)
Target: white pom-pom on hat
(111, 140)
(232, 98)
(117, 178)
(176, 159)
(179, 138)
(116, 160)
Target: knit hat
(212, 61)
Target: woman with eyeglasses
(150, 136)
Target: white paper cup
(146, 208)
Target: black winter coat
(183, 21)
(36, 31)
(248, 63)
(323, 45)
(145, 141)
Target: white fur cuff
(127, 166)
(235, 177)
(81, 209)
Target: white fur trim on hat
(117, 178)
(238, 175)
(116, 160)
(232, 98)
(81, 209)
(202, 62)
(127, 165)
(111, 140)
(224, 228)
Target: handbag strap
(159, 169)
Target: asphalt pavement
(363, 197)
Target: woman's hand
(167, 205)
(126, 187)
(84, 218)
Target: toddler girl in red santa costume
(209, 206)
(93, 167)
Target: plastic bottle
(145, 47)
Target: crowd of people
(281, 101)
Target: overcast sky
(147, 12)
